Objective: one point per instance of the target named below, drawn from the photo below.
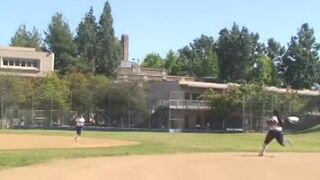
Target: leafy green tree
(109, 46)
(24, 91)
(199, 59)
(253, 101)
(25, 38)
(291, 103)
(80, 98)
(87, 40)
(300, 64)
(238, 52)
(52, 92)
(275, 51)
(8, 91)
(59, 40)
(225, 103)
(126, 100)
(266, 71)
(88, 92)
(98, 86)
(153, 60)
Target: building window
(17, 63)
(35, 64)
(187, 96)
(21, 63)
(29, 63)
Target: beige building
(178, 105)
(25, 62)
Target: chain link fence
(256, 113)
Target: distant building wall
(25, 62)
(161, 89)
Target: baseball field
(44, 154)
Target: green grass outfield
(154, 143)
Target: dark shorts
(79, 129)
(275, 134)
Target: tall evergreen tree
(238, 52)
(87, 40)
(186, 57)
(109, 46)
(25, 38)
(301, 62)
(59, 40)
(205, 62)
(275, 50)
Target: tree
(126, 100)
(300, 64)
(87, 40)
(153, 60)
(88, 92)
(23, 91)
(266, 71)
(225, 103)
(109, 46)
(172, 65)
(205, 62)
(52, 89)
(238, 52)
(254, 101)
(275, 51)
(59, 40)
(199, 59)
(25, 38)
(186, 56)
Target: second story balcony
(184, 104)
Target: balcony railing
(184, 104)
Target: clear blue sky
(160, 25)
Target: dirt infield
(204, 166)
(23, 141)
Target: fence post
(244, 120)
(1, 111)
(50, 110)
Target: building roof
(207, 85)
(17, 49)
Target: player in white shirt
(79, 125)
